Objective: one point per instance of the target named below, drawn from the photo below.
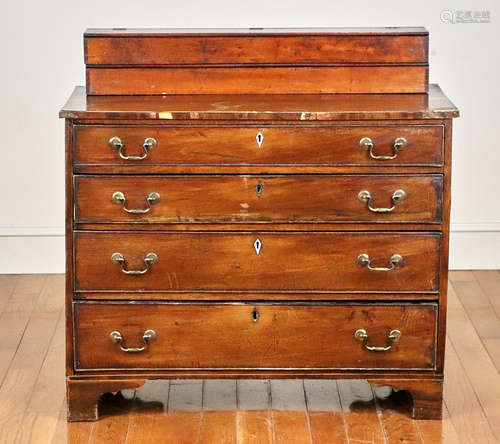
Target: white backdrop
(42, 59)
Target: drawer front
(236, 146)
(234, 199)
(195, 336)
(260, 261)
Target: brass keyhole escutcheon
(259, 188)
(255, 315)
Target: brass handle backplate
(397, 196)
(119, 198)
(150, 258)
(117, 144)
(362, 335)
(367, 144)
(147, 337)
(396, 260)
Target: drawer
(267, 145)
(234, 199)
(260, 261)
(195, 336)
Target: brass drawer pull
(120, 199)
(117, 144)
(397, 196)
(147, 337)
(399, 144)
(150, 258)
(362, 335)
(396, 260)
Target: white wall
(42, 59)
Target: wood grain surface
(275, 107)
(284, 262)
(280, 336)
(172, 49)
(262, 199)
(281, 146)
(353, 79)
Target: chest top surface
(292, 107)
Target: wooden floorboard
(442, 432)
(15, 316)
(288, 412)
(7, 285)
(394, 413)
(17, 387)
(464, 332)
(40, 418)
(253, 401)
(466, 413)
(143, 424)
(32, 388)
(477, 304)
(361, 418)
(489, 281)
(325, 412)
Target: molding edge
(31, 230)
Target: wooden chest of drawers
(315, 226)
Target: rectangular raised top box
(256, 61)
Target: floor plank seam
(492, 307)
(485, 291)
(35, 304)
(133, 399)
(473, 325)
(30, 398)
(379, 415)
(472, 386)
(9, 297)
(344, 422)
(168, 394)
(308, 418)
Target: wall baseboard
(32, 250)
(40, 249)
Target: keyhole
(257, 245)
(260, 139)
(259, 187)
(255, 315)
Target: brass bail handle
(396, 260)
(149, 259)
(117, 144)
(367, 144)
(397, 196)
(148, 336)
(119, 198)
(362, 335)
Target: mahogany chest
(226, 218)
